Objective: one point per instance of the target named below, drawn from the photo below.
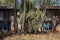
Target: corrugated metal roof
(53, 7)
(7, 7)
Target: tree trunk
(23, 27)
(15, 16)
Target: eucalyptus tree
(2, 2)
(32, 16)
(7, 2)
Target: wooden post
(12, 24)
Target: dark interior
(5, 22)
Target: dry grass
(42, 37)
(50, 36)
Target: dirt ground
(50, 36)
(41, 36)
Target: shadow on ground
(18, 37)
(2, 36)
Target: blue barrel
(48, 25)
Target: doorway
(5, 22)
